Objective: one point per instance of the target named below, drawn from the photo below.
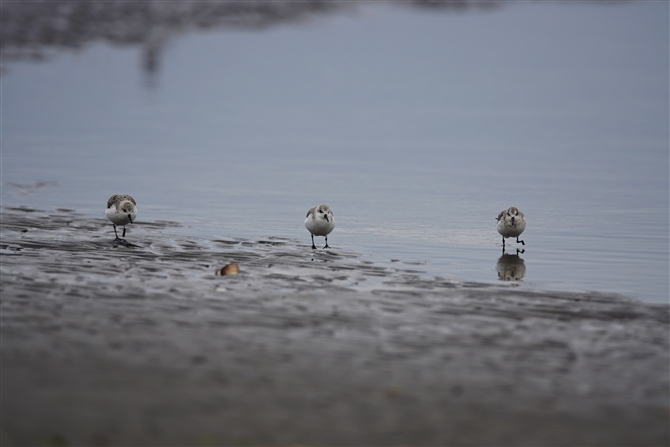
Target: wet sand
(142, 344)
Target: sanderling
(511, 223)
(121, 210)
(320, 222)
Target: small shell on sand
(230, 269)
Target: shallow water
(417, 126)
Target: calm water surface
(416, 126)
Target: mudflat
(141, 343)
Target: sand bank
(119, 344)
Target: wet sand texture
(107, 344)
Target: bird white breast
(118, 217)
(507, 229)
(319, 226)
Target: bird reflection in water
(511, 268)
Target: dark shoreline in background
(118, 345)
(35, 30)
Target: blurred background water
(417, 122)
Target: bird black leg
(313, 246)
(124, 232)
(522, 242)
(326, 243)
(115, 233)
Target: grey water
(416, 125)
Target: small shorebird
(320, 222)
(511, 223)
(121, 210)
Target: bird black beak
(512, 220)
(326, 216)
(130, 218)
